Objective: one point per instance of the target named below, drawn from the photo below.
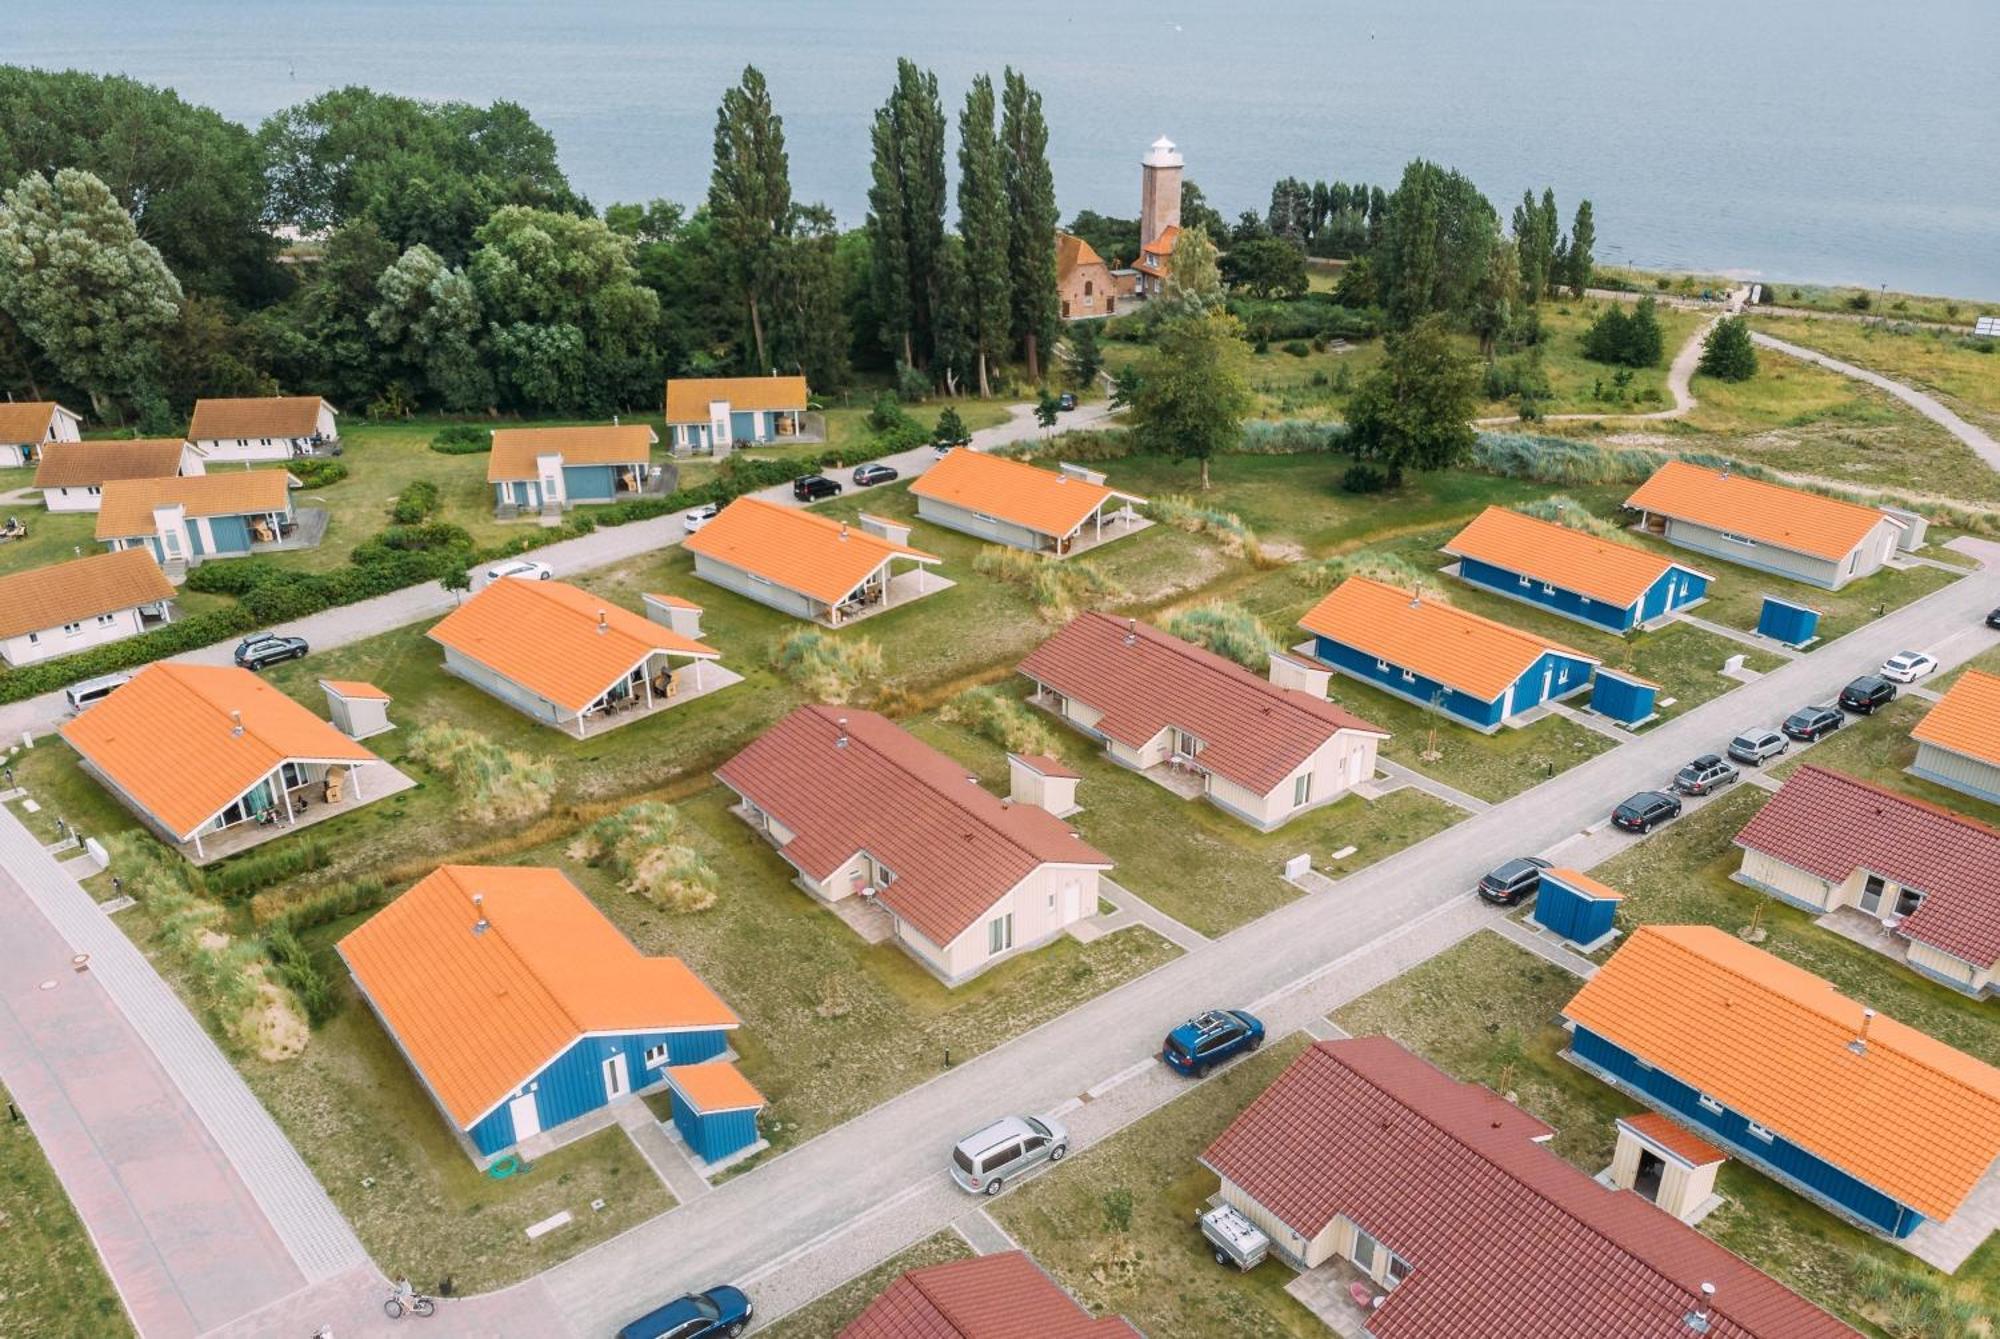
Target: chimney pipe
(479, 905)
(1704, 1307)
(1131, 632)
(236, 724)
(1860, 1043)
(843, 530)
(603, 624)
(841, 742)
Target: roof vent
(235, 724)
(1860, 1043)
(841, 741)
(1131, 632)
(479, 905)
(1698, 1319)
(603, 625)
(843, 530)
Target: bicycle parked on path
(405, 1298)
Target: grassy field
(1312, 385)
(832, 1312)
(1579, 386)
(1839, 299)
(1116, 1226)
(1485, 1011)
(52, 1285)
(1961, 369)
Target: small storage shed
(1625, 698)
(1789, 622)
(1038, 779)
(715, 1109)
(1663, 1161)
(683, 616)
(358, 709)
(1578, 908)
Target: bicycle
(405, 1298)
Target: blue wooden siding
(1555, 599)
(572, 1084)
(1360, 664)
(1572, 913)
(715, 1136)
(1677, 588)
(743, 426)
(1622, 699)
(1564, 675)
(232, 533)
(196, 547)
(590, 483)
(1779, 1157)
(1783, 621)
(519, 492)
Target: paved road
(600, 548)
(896, 1152)
(1976, 438)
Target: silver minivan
(983, 1162)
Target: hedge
(247, 874)
(418, 501)
(462, 439)
(318, 472)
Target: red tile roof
(1072, 251)
(1503, 1237)
(1830, 825)
(1253, 732)
(1674, 1137)
(953, 848)
(1049, 766)
(1786, 518)
(1586, 564)
(81, 464)
(1005, 1296)
(255, 416)
(41, 598)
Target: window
(1548, 588)
(106, 620)
(1744, 540)
(1710, 1104)
(1088, 288)
(94, 490)
(1525, 583)
(1907, 901)
(1382, 667)
(1302, 788)
(756, 580)
(656, 1056)
(1399, 1269)
(72, 629)
(1760, 1132)
(1000, 934)
(1409, 677)
(34, 639)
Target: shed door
(1072, 901)
(616, 1083)
(527, 1120)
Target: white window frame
(1409, 676)
(656, 1056)
(1709, 1104)
(1302, 790)
(1381, 666)
(1526, 582)
(1000, 934)
(72, 629)
(1760, 1132)
(759, 580)
(1744, 540)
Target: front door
(616, 1082)
(1651, 1167)
(527, 1120)
(1072, 897)
(1548, 672)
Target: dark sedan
(1646, 811)
(1506, 885)
(717, 1312)
(268, 648)
(1811, 723)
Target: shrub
(1560, 460)
(1362, 477)
(1728, 353)
(462, 439)
(273, 864)
(1238, 539)
(1229, 630)
(318, 472)
(301, 975)
(1003, 720)
(831, 669)
(171, 891)
(1297, 348)
(643, 845)
(1626, 339)
(495, 783)
(185, 634)
(887, 412)
(1388, 568)
(1085, 446)
(315, 907)
(1290, 437)
(418, 501)
(1058, 589)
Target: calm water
(1835, 140)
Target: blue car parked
(719, 1311)
(1208, 1039)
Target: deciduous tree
(1437, 236)
(1190, 392)
(1194, 276)
(428, 318)
(982, 223)
(906, 205)
(1269, 267)
(1582, 249)
(1414, 412)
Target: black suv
(1810, 723)
(1646, 810)
(1508, 884)
(1868, 693)
(268, 648)
(1705, 775)
(814, 487)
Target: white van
(90, 691)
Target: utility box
(358, 709)
(682, 616)
(1788, 622)
(1578, 908)
(1625, 698)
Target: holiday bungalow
(1868, 1117)
(26, 426)
(521, 1008)
(1083, 281)
(1958, 740)
(216, 760)
(571, 659)
(716, 414)
(1455, 1218)
(1572, 573)
(1931, 877)
(72, 475)
(70, 606)
(1478, 672)
(808, 565)
(1262, 751)
(186, 520)
(1001, 1296)
(552, 469)
(1056, 512)
(264, 427)
(1808, 537)
(862, 809)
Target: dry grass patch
(494, 783)
(831, 669)
(644, 848)
(1059, 589)
(1003, 719)
(1229, 630)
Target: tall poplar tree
(906, 205)
(750, 196)
(1533, 248)
(1032, 217)
(1582, 244)
(982, 222)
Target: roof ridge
(1200, 655)
(1417, 597)
(1907, 801)
(521, 960)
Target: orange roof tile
(515, 449)
(670, 601)
(24, 421)
(69, 592)
(1789, 518)
(354, 688)
(126, 509)
(1674, 1137)
(1966, 719)
(1072, 251)
(555, 640)
(1617, 574)
(168, 739)
(1583, 883)
(1772, 1041)
(1163, 245)
(480, 1012)
(82, 464)
(714, 1085)
(229, 420)
(797, 549)
(1045, 501)
(1470, 653)
(688, 398)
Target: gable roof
(1464, 651)
(1771, 1041)
(1072, 251)
(688, 398)
(68, 592)
(952, 848)
(1674, 1137)
(1001, 1296)
(1253, 732)
(1441, 1171)
(479, 1012)
(25, 421)
(1161, 248)
(515, 449)
(1789, 518)
(126, 508)
(555, 640)
(168, 739)
(797, 549)
(1966, 719)
(1045, 501)
(1586, 564)
(1830, 825)
(224, 420)
(82, 464)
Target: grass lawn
(51, 1282)
(1314, 385)
(1837, 299)
(1116, 1225)
(1485, 1011)
(1964, 370)
(1579, 386)
(831, 1312)
(1738, 594)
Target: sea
(1834, 141)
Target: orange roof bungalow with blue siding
(520, 1007)
(1593, 580)
(1472, 669)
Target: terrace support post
(354, 778)
(198, 854)
(647, 680)
(284, 790)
